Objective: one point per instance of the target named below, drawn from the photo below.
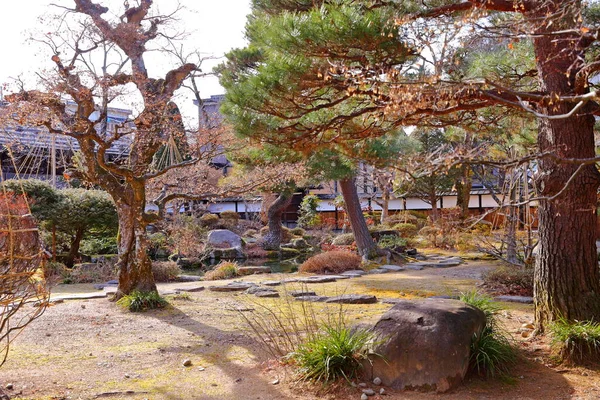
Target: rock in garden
(354, 272)
(9, 386)
(414, 267)
(232, 287)
(298, 293)
(311, 298)
(317, 279)
(369, 392)
(363, 397)
(515, 299)
(221, 238)
(377, 381)
(393, 268)
(382, 391)
(271, 283)
(426, 344)
(267, 293)
(187, 363)
(254, 270)
(191, 289)
(378, 271)
(255, 289)
(353, 299)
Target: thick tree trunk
(367, 248)
(511, 228)
(434, 208)
(74, 249)
(567, 277)
(272, 239)
(385, 204)
(134, 265)
(463, 191)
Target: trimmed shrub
(230, 215)
(223, 270)
(209, 220)
(286, 233)
(391, 242)
(406, 230)
(465, 242)
(92, 273)
(345, 239)
(141, 301)
(576, 342)
(510, 280)
(333, 262)
(165, 271)
(298, 232)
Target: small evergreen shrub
(209, 220)
(309, 217)
(406, 230)
(345, 239)
(510, 280)
(391, 242)
(138, 301)
(230, 215)
(333, 262)
(165, 271)
(576, 342)
(335, 352)
(492, 352)
(223, 270)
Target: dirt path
(84, 348)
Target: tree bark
(272, 240)
(463, 191)
(434, 208)
(134, 265)
(567, 277)
(367, 248)
(74, 248)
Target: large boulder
(223, 238)
(425, 344)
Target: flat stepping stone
(191, 289)
(253, 270)
(271, 283)
(442, 296)
(378, 271)
(79, 296)
(393, 268)
(447, 264)
(414, 267)
(267, 293)
(354, 272)
(391, 300)
(347, 275)
(353, 299)
(515, 299)
(189, 278)
(311, 298)
(298, 293)
(289, 280)
(233, 287)
(256, 289)
(317, 279)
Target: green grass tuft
(335, 352)
(141, 301)
(577, 341)
(492, 352)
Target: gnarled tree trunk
(463, 186)
(567, 277)
(272, 239)
(74, 249)
(134, 265)
(367, 248)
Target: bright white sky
(216, 26)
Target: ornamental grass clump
(576, 342)
(138, 301)
(492, 352)
(223, 270)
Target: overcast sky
(216, 26)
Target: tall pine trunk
(367, 248)
(567, 277)
(272, 240)
(463, 186)
(134, 265)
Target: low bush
(298, 231)
(91, 273)
(286, 233)
(391, 242)
(576, 342)
(55, 271)
(230, 215)
(510, 280)
(406, 230)
(209, 220)
(345, 239)
(465, 242)
(492, 352)
(400, 217)
(250, 233)
(223, 270)
(333, 353)
(141, 301)
(165, 271)
(333, 262)
(99, 244)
